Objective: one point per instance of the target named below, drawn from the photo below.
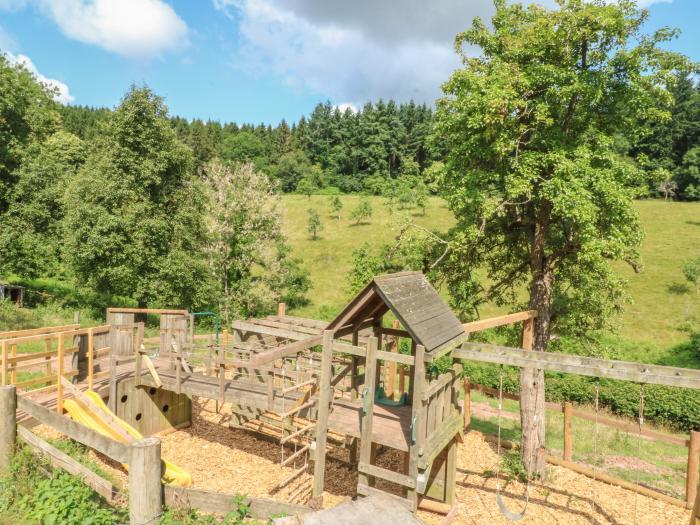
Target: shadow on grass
(678, 288)
(684, 355)
(361, 223)
(693, 223)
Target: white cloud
(345, 106)
(356, 51)
(61, 92)
(338, 58)
(138, 29)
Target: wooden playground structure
(309, 385)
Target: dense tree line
(349, 151)
(384, 148)
(671, 152)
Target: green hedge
(678, 408)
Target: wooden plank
(158, 311)
(94, 407)
(418, 416)
(286, 326)
(485, 324)
(62, 460)
(281, 333)
(395, 332)
(586, 366)
(366, 442)
(395, 357)
(439, 439)
(39, 357)
(284, 351)
(345, 348)
(110, 448)
(220, 503)
(68, 333)
(326, 395)
(388, 475)
(365, 490)
(34, 331)
(152, 370)
(437, 385)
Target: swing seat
(507, 513)
(381, 398)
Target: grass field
(662, 300)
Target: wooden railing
(569, 413)
(50, 361)
(145, 490)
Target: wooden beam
(326, 396)
(158, 311)
(219, 503)
(109, 447)
(484, 324)
(579, 365)
(94, 407)
(62, 460)
(281, 333)
(284, 351)
(37, 331)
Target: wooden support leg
(145, 491)
(691, 480)
(418, 422)
(451, 472)
(353, 451)
(325, 393)
(367, 448)
(8, 425)
(373, 461)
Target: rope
(639, 444)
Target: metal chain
(639, 444)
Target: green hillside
(662, 300)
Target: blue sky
(258, 60)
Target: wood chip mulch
(239, 461)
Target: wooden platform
(391, 426)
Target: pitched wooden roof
(414, 302)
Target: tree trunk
(532, 399)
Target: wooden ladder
(368, 471)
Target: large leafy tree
(542, 199)
(27, 115)
(133, 223)
(32, 234)
(247, 253)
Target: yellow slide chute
(82, 413)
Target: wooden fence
(569, 413)
(146, 494)
(49, 363)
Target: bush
(28, 494)
(678, 408)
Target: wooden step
(364, 490)
(387, 475)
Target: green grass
(662, 302)
(660, 465)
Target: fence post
(145, 490)
(568, 443)
(281, 309)
(59, 374)
(691, 479)
(8, 425)
(467, 406)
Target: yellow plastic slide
(81, 413)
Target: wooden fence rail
(569, 412)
